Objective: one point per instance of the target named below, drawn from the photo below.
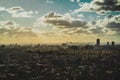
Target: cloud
(100, 6)
(99, 30)
(114, 23)
(8, 23)
(75, 31)
(16, 8)
(53, 15)
(65, 24)
(75, 1)
(109, 25)
(2, 8)
(11, 29)
(62, 21)
(18, 12)
(24, 14)
(80, 15)
(109, 5)
(50, 1)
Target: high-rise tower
(107, 43)
(98, 42)
(113, 43)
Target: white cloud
(12, 29)
(80, 15)
(50, 1)
(2, 8)
(24, 14)
(18, 12)
(75, 1)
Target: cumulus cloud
(114, 23)
(66, 24)
(11, 29)
(62, 21)
(100, 6)
(8, 24)
(107, 26)
(18, 12)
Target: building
(98, 42)
(108, 44)
(113, 43)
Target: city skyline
(59, 21)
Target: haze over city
(59, 21)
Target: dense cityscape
(59, 39)
(60, 62)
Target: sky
(59, 21)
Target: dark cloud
(62, 21)
(109, 5)
(66, 24)
(109, 16)
(114, 26)
(100, 6)
(73, 31)
(9, 23)
(16, 8)
(114, 23)
(98, 30)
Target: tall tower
(107, 43)
(98, 42)
(113, 43)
